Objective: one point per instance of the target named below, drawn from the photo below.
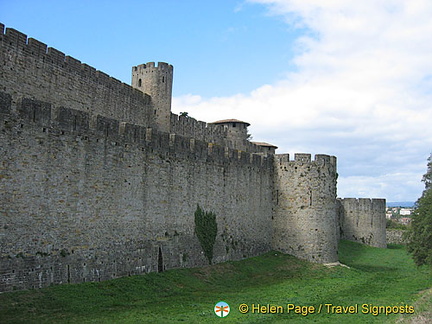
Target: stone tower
(156, 81)
(237, 133)
(304, 216)
(361, 220)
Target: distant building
(397, 212)
(405, 211)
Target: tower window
(139, 82)
(234, 124)
(163, 79)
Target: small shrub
(206, 231)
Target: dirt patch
(423, 310)
(206, 273)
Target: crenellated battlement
(13, 39)
(361, 220)
(42, 116)
(64, 81)
(197, 129)
(305, 197)
(364, 202)
(152, 66)
(305, 158)
(78, 86)
(209, 132)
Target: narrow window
(139, 83)
(163, 79)
(68, 274)
(160, 261)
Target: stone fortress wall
(98, 179)
(34, 70)
(361, 221)
(395, 236)
(191, 127)
(87, 204)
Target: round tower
(156, 81)
(236, 132)
(266, 148)
(305, 219)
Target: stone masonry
(361, 221)
(99, 180)
(304, 211)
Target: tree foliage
(427, 178)
(206, 231)
(419, 237)
(392, 224)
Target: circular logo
(222, 309)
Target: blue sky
(218, 48)
(341, 77)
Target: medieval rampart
(361, 220)
(198, 129)
(209, 132)
(99, 180)
(87, 204)
(34, 71)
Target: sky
(341, 77)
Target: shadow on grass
(350, 252)
(395, 246)
(377, 276)
(370, 259)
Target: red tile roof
(224, 121)
(264, 144)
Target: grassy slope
(376, 276)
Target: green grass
(383, 277)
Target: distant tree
(392, 224)
(184, 114)
(419, 237)
(427, 178)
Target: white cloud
(366, 186)
(361, 91)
